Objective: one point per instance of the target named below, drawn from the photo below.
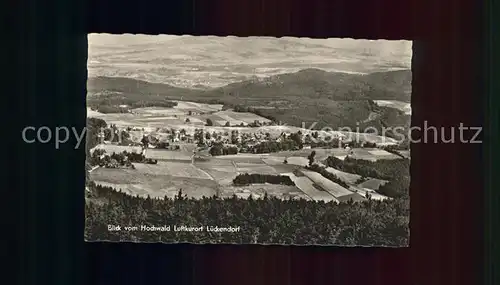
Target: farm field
(236, 118)
(299, 157)
(363, 191)
(216, 162)
(93, 114)
(176, 169)
(222, 117)
(123, 120)
(243, 158)
(272, 160)
(126, 175)
(159, 187)
(157, 111)
(196, 113)
(331, 187)
(161, 154)
(285, 168)
(380, 140)
(253, 168)
(349, 178)
(321, 153)
(307, 186)
(222, 177)
(402, 106)
(195, 120)
(277, 163)
(157, 118)
(372, 154)
(223, 171)
(197, 107)
(137, 183)
(204, 178)
(182, 107)
(372, 184)
(301, 161)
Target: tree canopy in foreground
(265, 220)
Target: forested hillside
(311, 95)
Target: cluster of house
(173, 139)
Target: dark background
(447, 179)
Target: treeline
(351, 165)
(164, 104)
(384, 169)
(256, 111)
(396, 171)
(100, 158)
(94, 126)
(112, 134)
(110, 109)
(247, 179)
(330, 176)
(263, 220)
(111, 104)
(395, 149)
(327, 142)
(398, 186)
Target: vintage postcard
(248, 140)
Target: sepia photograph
(248, 140)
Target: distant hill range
(319, 84)
(311, 95)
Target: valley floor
(204, 175)
(214, 175)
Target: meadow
(327, 185)
(161, 154)
(306, 185)
(402, 106)
(145, 184)
(215, 174)
(175, 169)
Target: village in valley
(203, 150)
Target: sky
(210, 61)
